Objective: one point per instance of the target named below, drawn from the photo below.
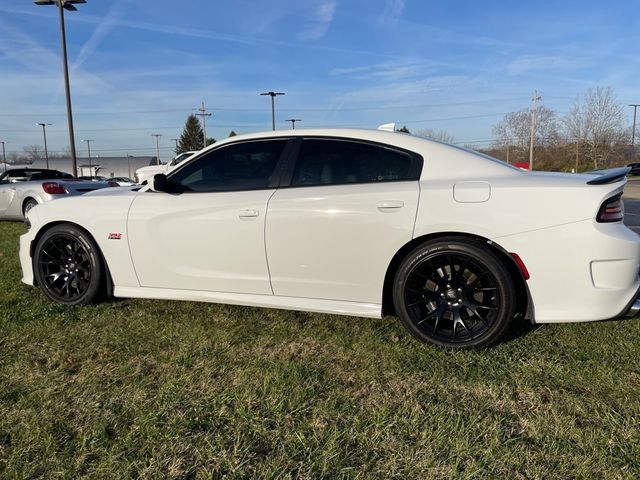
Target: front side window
(242, 166)
(336, 162)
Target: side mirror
(159, 183)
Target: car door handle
(390, 205)
(248, 213)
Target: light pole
(273, 95)
(62, 6)
(175, 140)
(157, 138)
(4, 155)
(293, 122)
(633, 132)
(89, 153)
(44, 134)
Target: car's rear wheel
(68, 266)
(455, 293)
(28, 205)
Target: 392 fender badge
(114, 236)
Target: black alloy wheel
(455, 293)
(67, 265)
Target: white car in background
(351, 222)
(22, 189)
(145, 173)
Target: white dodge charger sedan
(353, 222)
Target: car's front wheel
(67, 265)
(455, 293)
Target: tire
(28, 205)
(455, 293)
(68, 266)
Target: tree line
(592, 134)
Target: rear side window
(337, 162)
(242, 166)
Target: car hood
(114, 191)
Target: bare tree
(440, 135)
(33, 152)
(514, 130)
(597, 123)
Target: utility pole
(44, 133)
(4, 155)
(175, 140)
(273, 95)
(534, 99)
(577, 153)
(204, 114)
(293, 122)
(89, 153)
(157, 136)
(62, 6)
(633, 132)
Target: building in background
(104, 166)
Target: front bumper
(26, 262)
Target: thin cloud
(100, 33)
(391, 12)
(323, 17)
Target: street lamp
(157, 136)
(62, 6)
(89, 153)
(293, 122)
(44, 133)
(633, 132)
(273, 95)
(4, 155)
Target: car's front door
(349, 208)
(209, 234)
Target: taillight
(53, 188)
(612, 210)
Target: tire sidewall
(481, 254)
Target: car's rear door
(210, 236)
(346, 209)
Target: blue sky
(140, 67)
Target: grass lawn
(159, 389)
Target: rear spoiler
(611, 175)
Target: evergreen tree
(232, 133)
(191, 138)
(404, 129)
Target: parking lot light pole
(4, 155)
(293, 122)
(44, 134)
(62, 6)
(273, 95)
(633, 131)
(157, 136)
(89, 153)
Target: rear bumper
(633, 309)
(580, 272)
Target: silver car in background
(23, 188)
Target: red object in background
(53, 188)
(522, 165)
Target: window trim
(275, 177)
(415, 169)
